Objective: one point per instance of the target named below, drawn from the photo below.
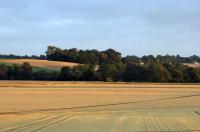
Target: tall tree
(3, 72)
(26, 71)
(191, 76)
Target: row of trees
(110, 56)
(128, 72)
(166, 59)
(106, 65)
(11, 56)
(99, 57)
(83, 56)
(25, 72)
(154, 72)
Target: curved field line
(117, 123)
(24, 124)
(163, 123)
(30, 124)
(144, 123)
(53, 123)
(155, 124)
(197, 112)
(35, 120)
(102, 105)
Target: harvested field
(98, 107)
(40, 63)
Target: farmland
(98, 107)
(57, 65)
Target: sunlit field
(98, 107)
(56, 65)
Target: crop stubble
(96, 107)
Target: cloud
(131, 26)
(174, 14)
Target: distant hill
(57, 65)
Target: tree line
(11, 56)
(83, 56)
(110, 56)
(116, 72)
(108, 66)
(98, 57)
(25, 72)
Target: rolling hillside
(40, 63)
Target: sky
(132, 27)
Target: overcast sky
(138, 27)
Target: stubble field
(98, 107)
(56, 65)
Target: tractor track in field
(53, 123)
(101, 105)
(197, 112)
(28, 122)
(31, 124)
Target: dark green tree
(191, 76)
(4, 72)
(135, 73)
(158, 73)
(66, 74)
(26, 71)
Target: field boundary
(100, 82)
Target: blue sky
(138, 27)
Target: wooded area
(107, 66)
